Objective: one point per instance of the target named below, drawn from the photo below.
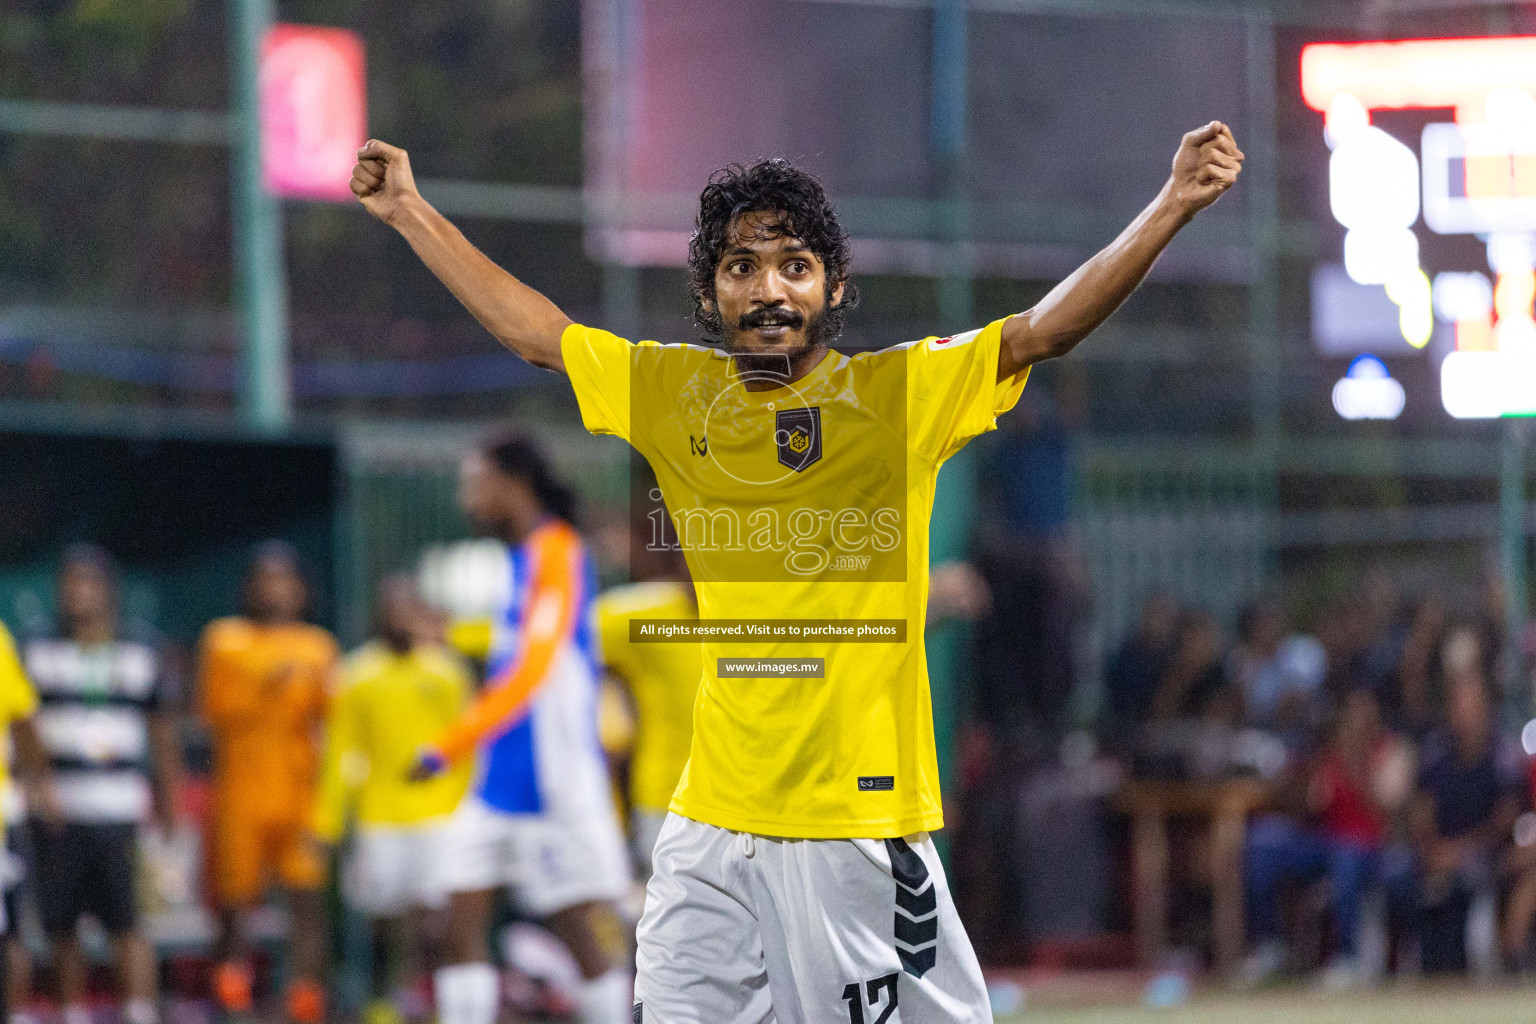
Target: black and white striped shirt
(93, 717)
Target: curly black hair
(768, 186)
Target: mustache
(771, 314)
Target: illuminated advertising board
(1473, 175)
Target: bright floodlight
(1379, 255)
(1347, 117)
(1483, 385)
(1373, 181)
(1509, 251)
(1368, 392)
(1459, 296)
(1510, 110)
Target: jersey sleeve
(547, 623)
(17, 698)
(953, 393)
(344, 765)
(598, 364)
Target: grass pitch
(1394, 1006)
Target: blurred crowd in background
(1382, 734)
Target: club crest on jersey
(797, 433)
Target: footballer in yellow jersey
(795, 878)
(18, 706)
(394, 695)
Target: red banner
(313, 110)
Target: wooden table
(1224, 806)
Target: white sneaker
(1262, 965)
(1341, 975)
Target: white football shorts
(392, 869)
(747, 929)
(550, 862)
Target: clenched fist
(1206, 165)
(382, 179)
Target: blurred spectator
(114, 757)
(1520, 866)
(1280, 674)
(1031, 468)
(1026, 634)
(263, 689)
(1492, 628)
(1339, 627)
(956, 591)
(1470, 790)
(1414, 701)
(1192, 683)
(1352, 790)
(1132, 678)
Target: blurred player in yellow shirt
(662, 681)
(18, 711)
(396, 694)
(263, 683)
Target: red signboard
(313, 110)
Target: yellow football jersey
(17, 700)
(662, 678)
(386, 708)
(809, 501)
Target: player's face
(502, 505)
(84, 593)
(478, 492)
(771, 292)
(400, 614)
(277, 590)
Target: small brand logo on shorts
(876, 782)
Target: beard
(783, 361)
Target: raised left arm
(1206, 165)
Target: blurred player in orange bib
(263, 687)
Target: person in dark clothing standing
(1471, 787)
(114, 765)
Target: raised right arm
(521, 319)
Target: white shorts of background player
(549, 861)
